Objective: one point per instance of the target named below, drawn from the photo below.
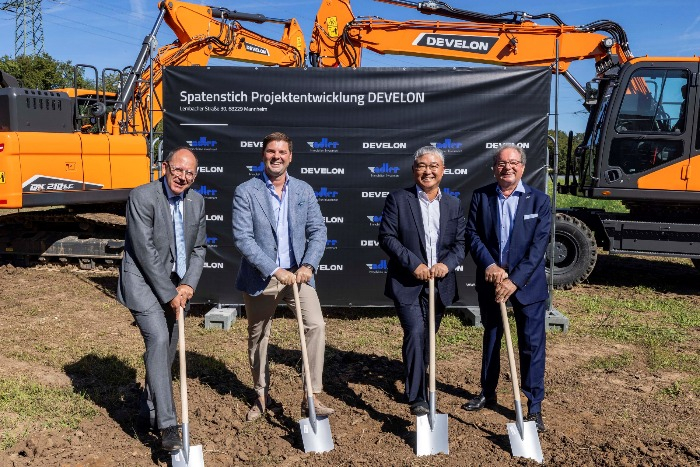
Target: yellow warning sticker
(2, 177)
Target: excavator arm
(511, 38)
(202, 32)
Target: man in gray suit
(163, 259)
(281, 234)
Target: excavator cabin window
(655, 101)
(651, 121)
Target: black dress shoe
(419, 408)
(537, 418)
(170, 439)
(479, 402)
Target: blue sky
(108, 34)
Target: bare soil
(62, 328)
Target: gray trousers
(160, 335)
(260, 310)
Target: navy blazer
(528, 243)
(402, 237)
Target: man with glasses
(508, 233)
(422, 231)
(163, 259)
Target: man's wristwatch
(313, 269)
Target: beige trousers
(260, 310)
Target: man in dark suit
(281, 234)
(508, 232)
(163, 259)
(422, 231)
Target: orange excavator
(84, 149)
(642, 140)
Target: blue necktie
(181, 266)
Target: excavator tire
(575, 252)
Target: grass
(611, 362)
(571, 201)
(25, 402)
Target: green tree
(43, 72)
(563, 141)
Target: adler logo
(334, 220)
(456, 171)
(369, 243)
(324, 194)
(256, 169)
(447, 191)
(202, 143)
(331, 244)
(467, 44)
(218, 170)
(330, 267)
(251, 144)
(448, 145)
(325, 145)
(206, 191)
(384, 170)
(459, 268)
(375, 194)
(374, 220)
(215, 217)
(212, 241)
(378, 267)
(213, 265)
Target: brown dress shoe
(322, 410)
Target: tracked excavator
(71, 156)
(642, 140)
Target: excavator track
(87, 236)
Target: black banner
(354, 134)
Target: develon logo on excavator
(256, 49)
(475, 44)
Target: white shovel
(315, 432)
(431, 429)
(188, 456)
(524, 441)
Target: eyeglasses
(424, 167)
(178, 172)
(503, 164)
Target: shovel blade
(529, 445)
(196, 458)
(431, 440)
(319, 441)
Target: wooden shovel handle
(302, 338)
(511, 356)
(183, 365)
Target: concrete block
(472, 315)
(221, 317)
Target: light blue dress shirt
(507, 208)
(430, 212)
(171, 202)
(280, 210)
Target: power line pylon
(29, 29)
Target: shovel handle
(302, 338)
(511, 356)
(431, 332)
(183, 365)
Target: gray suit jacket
(255, 231)
(149, 250)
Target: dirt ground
(62, 328)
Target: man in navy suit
(422, 231)
(281, 234)
(508, 232)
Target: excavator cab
(644, 134)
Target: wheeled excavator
(81, 151)
(642, 139)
